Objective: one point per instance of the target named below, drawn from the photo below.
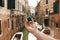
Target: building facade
(56, 19)
(56, 25)
(50, 9)
(43, 9)
(32, 11)
(12, 14)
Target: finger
(26, 23)
(33, 21)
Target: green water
(25, 34)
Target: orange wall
(56, 19)
(7, 33)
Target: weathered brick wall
(7, 33)
(56, 19)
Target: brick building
(56, 19)
(56, 25)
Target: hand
(40, 36)
(30, 27)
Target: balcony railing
(16, 12)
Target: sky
(33, 3)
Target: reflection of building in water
(12, 14)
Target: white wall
(32, 10)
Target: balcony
(16, 12)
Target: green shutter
(2, 3)
(11, 4)
(56, 7)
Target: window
(23, 9)
(9, 23)
(0, 27)
(2, 3)
(46, 11)
(11, 4)
(12, 25)
(36, 13)
(46, 22)
(20, 7)
(46, 1)
(18, 22)
(56, 24)
(56, 7)
(23, 18)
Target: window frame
(9, 24)
(1, 28)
